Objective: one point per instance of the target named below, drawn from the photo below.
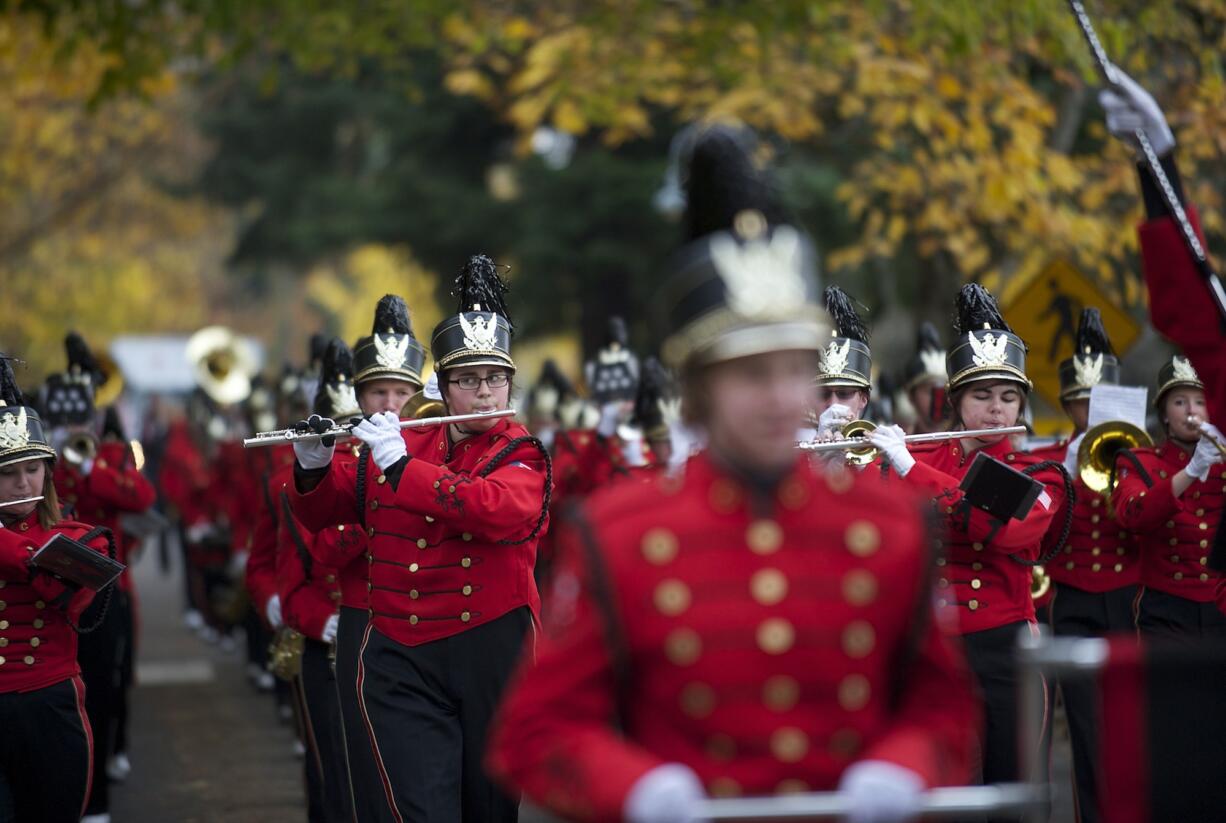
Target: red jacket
(978, 577)
(310, 590)
(261, 571)
(184, 477)
(1180, 305)
(38, 646)
(114, 487)
(1174, 533)
(438, 564)
(768, 644)
(1100, 555)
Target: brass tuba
(420, 406)
(223, 363)
(108, 391)
(1098, 450)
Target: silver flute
(845, 443)
(21, 501)
(343, 430)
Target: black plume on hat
(617, 332)
(655, 384)
(1091, 336)
(318, 345)
(846, 320)
(552, 376)
(976, 307)
(928, 338)
(338, 360)
(480, 285)
(10, 394)
(391, 316)
(112, 426)
(723, 181)
(80, 356)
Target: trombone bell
(1098, 450)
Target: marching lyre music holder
(1110, 77)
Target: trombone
(342, 430)
(861, 452)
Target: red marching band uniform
(711, 634)
(42, 698)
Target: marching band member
(1180, 306)
(749, 626)
(844, 382)
(46, 746)
(1171, 496)
(985, 577)
(309, 585)
(1095, 579)
(924, 380)
(453, 514)
(98, 483)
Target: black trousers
(1078, 613)
(100, 655)
(428, 710)
(1174, 617)
(322, 729)
(991, 655)
(365, 787)
(46, 755)
(127, 673)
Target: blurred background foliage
(279, 164)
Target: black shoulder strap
(499, 458)
(600, 586)
(304, 555)
(1070, 502)
(1128, 455)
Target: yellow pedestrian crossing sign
(1044, 310)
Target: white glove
(313, 453)
(197, 532)
(667, 794)
(273, 611)
(382, 433)
(610, 416)
(1070, 455)
(891, 440)
(87, 466)
(1207, 453)
(329, 631)
(1132, 109)
(632, 449)
(832, 420)
(881, 792)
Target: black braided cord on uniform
(1070, 498)
(360, 492)
(110, 589)
(506, 452)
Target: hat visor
(980, 374)
(476, 359)
(842, 381)
(26, 454)
(1170, 385)
(381, 373)
(749, 341)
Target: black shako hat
(986, 348)
(1093, 363)
(390, 352)
(745, 283)
(479, 333)
(21, 429)
(846, 360)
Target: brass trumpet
(78, 448)
(1040, 582)
(861, 452)
(1204, 430)
(1099, 448)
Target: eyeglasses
(470, 382)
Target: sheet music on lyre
(1126, 403)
